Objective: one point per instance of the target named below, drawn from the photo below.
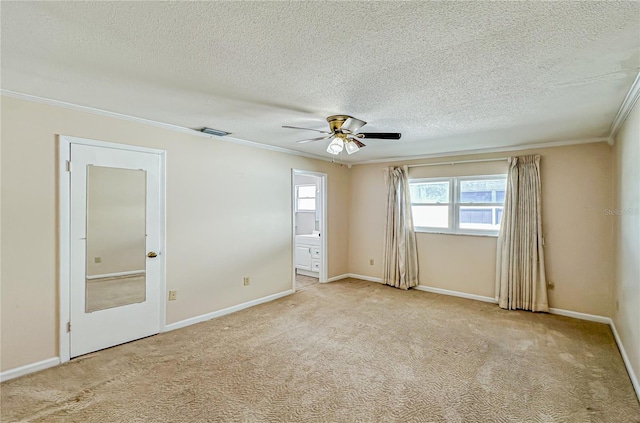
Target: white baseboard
(364, 278)
(456, 294)
(558, 311)
(29, 368)
(625, 359)
(354, 276)
(337, 278)
(581, 316)
(228, 310)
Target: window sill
(488, 235)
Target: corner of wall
(624, 214)
(614, 230)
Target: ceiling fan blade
(352, 125)
(382, 135)
(307, 129)
(315, 139)
(358, 143)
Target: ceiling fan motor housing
(336, 121)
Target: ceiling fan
(343, 132)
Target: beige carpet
(348, 351)
(303, 282)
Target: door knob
(152, 254)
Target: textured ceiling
(449, 76)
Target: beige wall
(626, 217)
(228, 216)
(576, 189)
(1, 239)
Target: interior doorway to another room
(309, 223)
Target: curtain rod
(459, 162)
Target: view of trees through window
(431, 192)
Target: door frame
(64, 232)
(324, 259)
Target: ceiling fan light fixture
(351, 147)
(335, 147)
(344, 134)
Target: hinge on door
(68, 166)
(68, 326)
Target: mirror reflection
(116, 237)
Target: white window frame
(455, 204)
(450, 204)
(315, 198)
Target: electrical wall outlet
(246, 280)
(97, 259)
(173, 295)
(370, 262)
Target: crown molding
(625, 108)
(488, 150)
(171, 127)
(627, 105)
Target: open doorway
(309, 228)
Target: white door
(115, 240)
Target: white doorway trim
(324, 259)
(64, 230)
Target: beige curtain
(520, 280)
(400, 253)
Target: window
(305, 198)
(430, 203)
(465, 204)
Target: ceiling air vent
(212, 131)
